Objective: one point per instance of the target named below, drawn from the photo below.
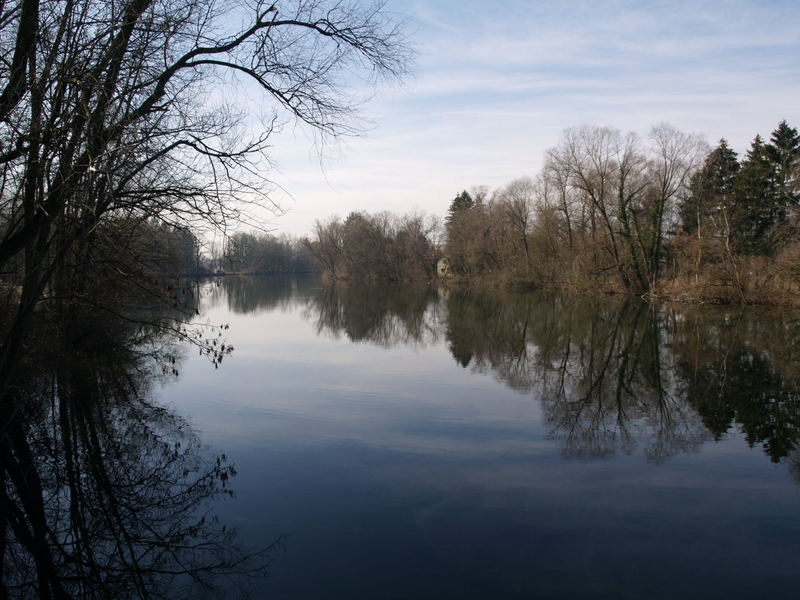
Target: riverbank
(753, 286)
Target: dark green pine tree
(759, 208)
(711, 192)
(784, 152)
(460, 203)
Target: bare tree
(626, 192)
(107, 108)
(556, 177)
(378, 246)
(326, 245)
(516, 202)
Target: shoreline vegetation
(124, 139)
(665, 218)
(120, 143)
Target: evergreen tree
(711, 193)
(460, 203)
(758, 205)
(784, 153)
(461, 235)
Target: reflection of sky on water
(397, 473)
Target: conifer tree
(459, 225)
(461, 202)
(710, 202)
(759, 208)
(784, 153)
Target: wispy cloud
(495, 85)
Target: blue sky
(495, 84)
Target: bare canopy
(122, 109)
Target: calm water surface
(418, 443)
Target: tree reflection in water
(107, 494)
(612, 376)
(386, 314)
(741, 371)
(247, 294)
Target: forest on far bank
(665, 217)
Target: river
(396, 441)
(409, 442)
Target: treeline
(665, 216)
(265, 253)
(148, 243)
(149, 246)
(125, 261)
(378, 246)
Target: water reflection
(252, 294)
(386, 314)
(612, 376)
(739, 372)
(105, 493)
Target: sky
(494, 84)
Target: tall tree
(105, 109)
(707, 208)
(758, 205)
(460, 232)
(460, 203)
(784, 153)
(516, 204)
